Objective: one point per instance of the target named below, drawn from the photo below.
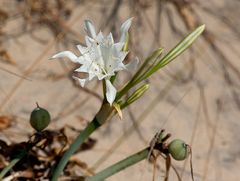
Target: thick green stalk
(104, 114)
(74, 146)
(117, 167)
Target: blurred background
(195, 98)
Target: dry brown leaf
(6, 57)
(5, 122)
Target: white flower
(101, 58)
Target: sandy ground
(200, 107)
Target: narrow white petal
(132, 65)
(91, 75)
(89, 28)
(89, 41)
(118, 46)
(110, 38)
(81, 81)
(102, 76)
(67, 54)
(119, 66)
(81, 60)
(100, 37)
(82, 49)
(83, 68)
(111, 92)
(122, 55)
(124, 29)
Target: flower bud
(178, 149)
(39, 119)
(137, 94)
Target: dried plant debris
(34, 14)
(3, 17)
(39, 156)
(6, 57)
(49, 14)
(5, 121)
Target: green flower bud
(136, 95)
(40, 118)
(178, 149)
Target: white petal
(89, 41)
(124, 29)
(111, 92)
(118, 46)
(105, 53)
(102, 76)
(91, 75)
(119, 66)
(110, 38)
(67, 54)
(81, 81)
(122, 55)
(132, 65)
(81, 60)
(89, 28)
(100, 37)
(82, 49)
(84, 68)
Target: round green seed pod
(178, 149)
(40, 118)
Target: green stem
(104, 114)
(117, 167)
(11, 165)
(74, 146)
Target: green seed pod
(40, 118)
(178, 149)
